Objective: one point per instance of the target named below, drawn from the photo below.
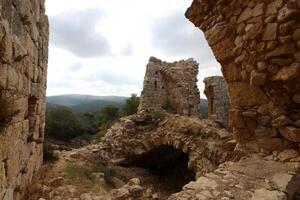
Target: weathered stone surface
(287, 73)
(23, 42)
(264, 194)
(296, 97)
(257, 79)
(218, 102)
(246, 14)
(296, 34)
(291, 133)
(171, 86)
(260, 58)
(281, 121)
(281, 51)
(270, 32)
(180, 132)
(287, 155)
(242, 94)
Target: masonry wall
(172, 87)
(23, 70)
(218, 101)
(257, 43)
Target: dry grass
(81, 176)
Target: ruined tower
(218, 102)
(23, 70)
(172, 87)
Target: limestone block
(273, 7)
(258, 10)
(287, 155)
(296, 34)
(12, 78)
(242, 94)
(287, 13)
(287, 27)
(257, 79)
(270, 32)
(245, 15)
(291, 133)
(287, 73)
(264, 194)
(285, 49)
(296, 97)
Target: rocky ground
(125, 165)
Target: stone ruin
(23, 69)
(257, 43)
(218, 102)
(172, 87)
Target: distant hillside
(75, 99)
(84, 103)
(95, 105)
(88, 103)
(51, 106)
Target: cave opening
(170, 165)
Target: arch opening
(168, 164)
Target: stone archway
(257, 43)
(206, 145)
(167, 163)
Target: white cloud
(130, 32)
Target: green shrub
(159, 114)
(48, 152)
(131, 105)
(74, 170)
(62, 124)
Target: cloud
(76, 67)
(113, 78)
(174, 35)
(128, 50)
(76, 32)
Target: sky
(102, 47)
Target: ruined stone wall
(171, 86)
(218, 102)
(23, 69)
(257, 43)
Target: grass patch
(48, 152)
(159, 114)
(77, 171)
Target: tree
(109, 113)
(88, 122)
(62, 124)
(131, 105)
